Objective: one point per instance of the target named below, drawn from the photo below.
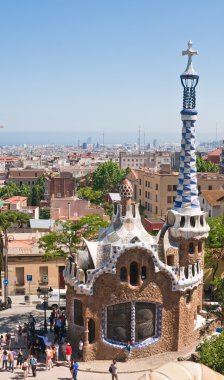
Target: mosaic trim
(187, 191)
(176, 275)
(147, 342)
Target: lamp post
(45, 294)
(6, 269)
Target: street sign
(29, 277)
(5, 282)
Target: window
(156, 198)
(140, 182)
(78, 318)
(210, 187)
(35, 174)
(188, 296)
(144, 321)
(169, 199)
(170, 260)
(199, 188)
(174, 187)
(140, 192)
(43, 272)
(156, 210)
(191, 248)
(157, 186)
(123, 274)
(146, 194)
(182, 221)
(134, 273)
(169, 187)
(144, 272)
(121, 317)
(19, 276)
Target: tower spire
(187, 192)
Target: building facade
(132, 286)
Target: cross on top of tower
(190, 52)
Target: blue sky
(70, 69)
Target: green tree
(9, 190)
(68, 235)
(108, 177)
(94, 196)
(45, 213)
(205, 166)
(8, 220)
(211, 353)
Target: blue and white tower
(187, 192)
(186, 220)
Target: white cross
(190, 52)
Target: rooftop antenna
(139, 139)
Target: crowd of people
(39, 348)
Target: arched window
(123, 274)
(192, 221)
(134, 273)
(182, 221)
(121, 318)
(191, 248)
(78, 317)
(91, 327)
(144, 273)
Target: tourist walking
(25, 368)
(33, 363)
(113, 370)
(8, 340)
(75, 370)
(19, 358)
(4, 359)
(128, 350)
(80, 349)
(68, 352)
(11, 358)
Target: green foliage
(206, 166)
(211, 353)
(45, 213)
(216, 234)
(10, 218)
(94, 196)
(108, 177)
(34, 194)
(69, 235)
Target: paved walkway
(95, 370)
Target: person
(68, 352)
(80, 349)
(113, 370)
(128, 348)
(48, 358)
(19, 358)
(56, 351)
(11, 358)
(1, 355)
(33, 363)
(2, 340)
(4, 359)
(8, 340)
(25, 368)
(71, 368)
(75, 370)
(64, 345)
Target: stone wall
(178, 316)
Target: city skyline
(70, 70)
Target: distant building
(214, 156)
(26, 258)
(212, 202)
(27, 177)
(156, 191)
(17, 203)
(72, 208)
(59, 186)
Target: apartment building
(155, 191)
(26, 258)
(59, 186)
(27, 177)
(155, 160)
